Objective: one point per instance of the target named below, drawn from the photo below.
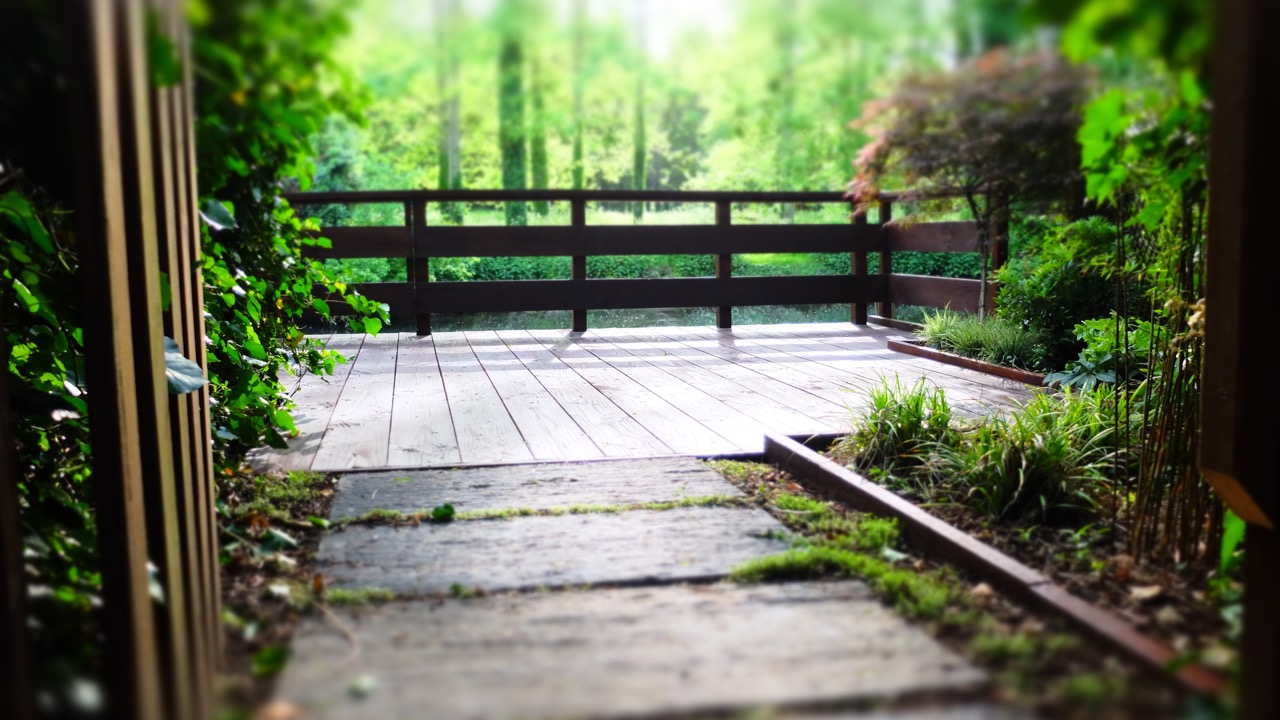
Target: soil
(253, 581)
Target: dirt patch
(270, 529)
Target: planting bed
(1157, 618)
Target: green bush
(1046, 462)
(1060, 280)
(521, 268)
(1113, 352)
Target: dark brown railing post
(419, 270)
(578, 218)
(885, 307)
(724, 265)
(858, 267)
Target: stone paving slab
(621, 653)
(638, 546)
(543, 485)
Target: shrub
(1046, 462)
(1106, 358)
(1059, 281)
(897, 430)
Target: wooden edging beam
(1003, 572)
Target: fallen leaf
(1168, 616)
(1144, 593)
(981, 590)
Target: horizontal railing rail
(417, 243)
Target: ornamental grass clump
(1048, 461)
(896, 431)
(994, 340)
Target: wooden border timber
(1003, 572)
(1008, 373)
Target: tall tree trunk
(579, 122)
(450, 145)
(638, 176)
(538, 140)
(511, 131)
(785, 160)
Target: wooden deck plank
(484, 397)
(968, 385)
(616, 433)
(746, 399)
(741, 430)
(550, 432)
(757, 376)
(421, 424)
(668, 423)
(316, 396)
(485, 430)
(360, 428)
(815, 379)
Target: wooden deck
(456, 398)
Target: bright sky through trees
(660, 94)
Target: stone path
(598, 615)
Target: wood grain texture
(675, 428)
(614, 431)
(358, 434)
(421, 423)
(316, 396)
(549, 431)
(485, 430)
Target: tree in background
(639, 179)
(447, 13)
(998, 131)
(511, 127)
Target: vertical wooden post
(112, 368)
(410, 261)
(885, 307)
(420, 273)
(17, 691)
(205, 490)
(858, 267)
(724, 266)
(1237, 453)
(578, 218)
(183, 321)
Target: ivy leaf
(270, 660)
(372, 325)
(218, 216)
(184, 376)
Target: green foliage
(265, 85)
(1063, 277)
(1114, 351)
(898, 429)
(1046, 462)
(913, 594)
(996, 341)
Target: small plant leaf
(183, 375)
(218, 216)
(270, 660)
(443, 513)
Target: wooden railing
(417, 244)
